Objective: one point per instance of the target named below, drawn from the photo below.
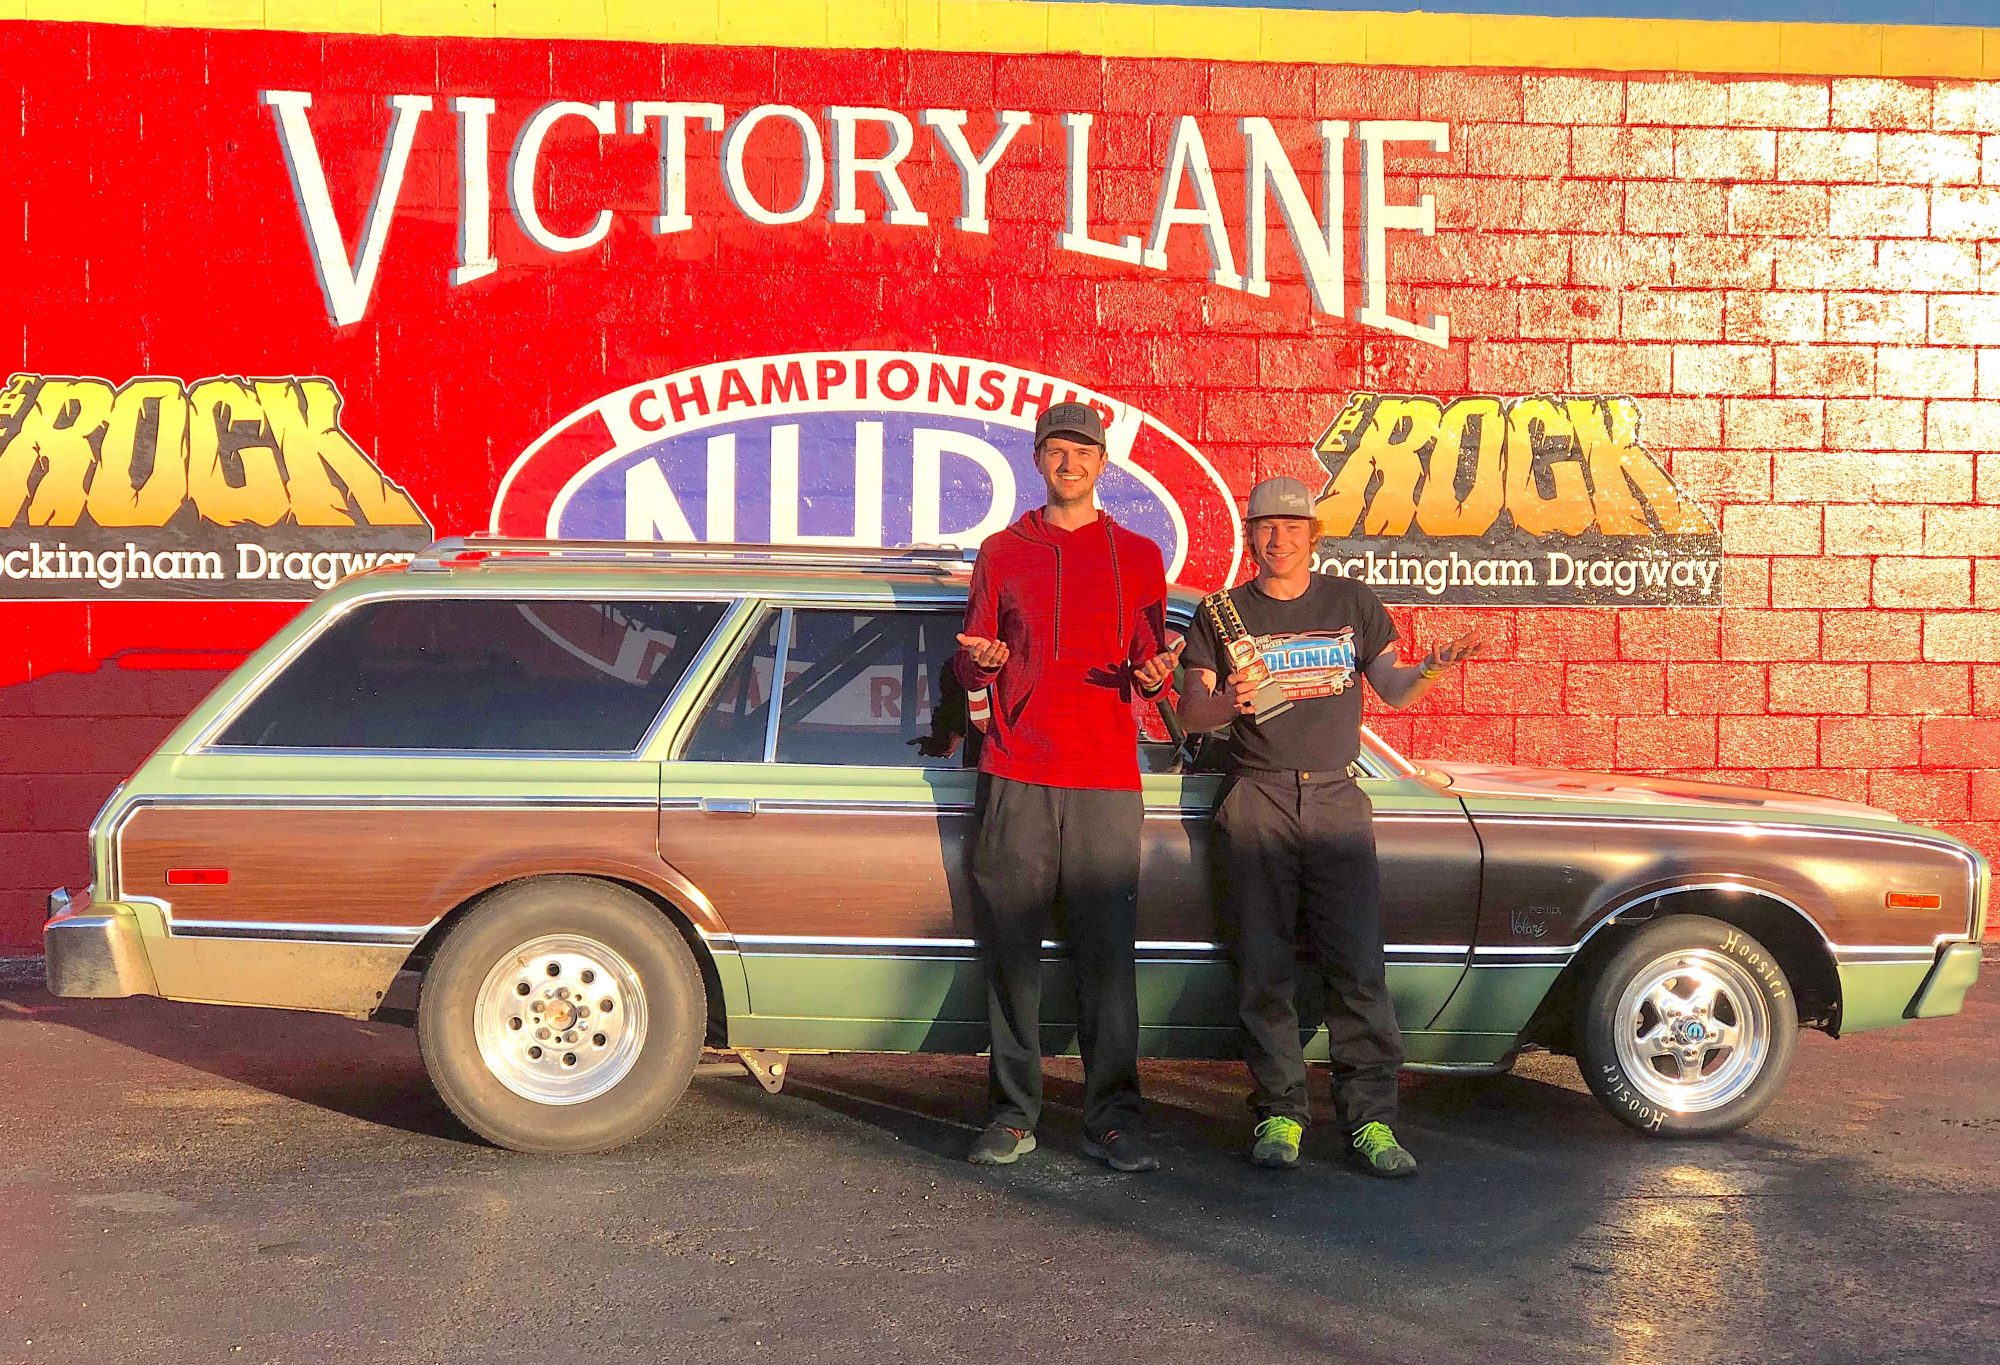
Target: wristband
(1149, 695)
(1429, 672)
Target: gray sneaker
(1000, 1145)
(1122, 1151)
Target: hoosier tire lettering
(1687, 1030)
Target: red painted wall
(1794, 280)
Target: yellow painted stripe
(1111, 29)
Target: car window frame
(205, 742)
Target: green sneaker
(1277, 1145)
(1379, 1152)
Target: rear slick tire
(562, 1014)
(1688, 1029)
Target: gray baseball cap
(1280, 498)
(1078, 420)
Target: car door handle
(728, 805)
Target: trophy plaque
(1245, 657)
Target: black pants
(1292, 852)
(1075, 852)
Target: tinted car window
(480, 674)
(861, 687)
(733, 725)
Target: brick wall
(1794, 278)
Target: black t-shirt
(1316, 645)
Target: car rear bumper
(94, 951)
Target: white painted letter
(674, 119)
(652, 512)
(528, 154)
(1378, 216)
(927, 487)
(345, 287)
(737, 140)
(949, 127)
(475, 192)
(1188, 157)
(848, 167)
(1076, 216)
(1319, 242)
(867, 488)
(722, 487)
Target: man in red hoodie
(1066, 621)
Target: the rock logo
(852, 448)
(1509, 502)
(225, 488)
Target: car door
(829, 830)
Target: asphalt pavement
(184, 1183)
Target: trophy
(1245, 657)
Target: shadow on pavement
(365, 1070)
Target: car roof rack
(487, 550)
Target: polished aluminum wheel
(1693, 1030)
(561, 1019)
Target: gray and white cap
(1280, 498)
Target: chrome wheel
(561, 1019)
(1693, 1030)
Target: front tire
(1688, 1029)
(562, 1014)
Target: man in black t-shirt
(1294, 838)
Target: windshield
(1385, 761)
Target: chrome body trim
(540, 755)
(1942, 844)
(233, 800)
(379, 935)
(1891, 955)
(774, 702)
(535, 552)
(1149, 950)
(1648, 897)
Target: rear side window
(866, 688)
(480, 674)
(860, 687)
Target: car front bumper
(1877, 993)
(94, 951)
(1943, 991)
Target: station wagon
(616, 803)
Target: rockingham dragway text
(1436, 574)
(113, 569)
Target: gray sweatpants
(1075, 853)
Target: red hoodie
(1077, 609)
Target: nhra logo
(867, 448)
